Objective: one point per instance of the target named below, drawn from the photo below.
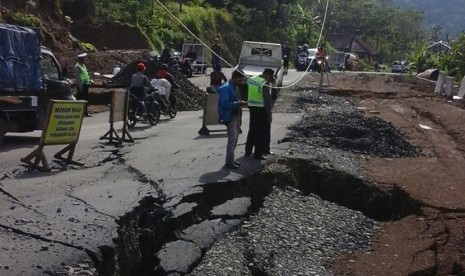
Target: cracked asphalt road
(56, 221)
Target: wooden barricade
(118, 113)
(62, 126)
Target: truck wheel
(2, 132)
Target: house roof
(348, 42)
(439, 46)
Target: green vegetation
(396, 33)
(23, 19)
(88, 47)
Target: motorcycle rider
(320, 58)
(140, 86)
(164, 74)
(188, 57)
(301, 58)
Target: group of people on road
(259, 101)
(141, 86)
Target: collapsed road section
(294, 217)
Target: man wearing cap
(82, 80)
(230, 113)
(140, 84)
(259, 102)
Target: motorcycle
(167, 109)
(173, 61)
(320, 65)
(301, 62)
(135, 106)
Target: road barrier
(210, 113)
(449, 87)
(118, 113)
(62, 126)
(439, 84)
(461, 92)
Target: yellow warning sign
(65, 120)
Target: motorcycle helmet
(140, 67)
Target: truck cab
(30, 77)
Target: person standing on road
(166, 53)
(216, 48)
(286, 56)
(82, 80)
(229, 113)
(259, 96)
(269, 99)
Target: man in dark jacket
(216, 52)
(166, 53)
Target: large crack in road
(178, 241)
(295, 216)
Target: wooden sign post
(62, 126)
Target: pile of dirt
(103, 62)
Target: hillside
(67, 39)
(447, 14)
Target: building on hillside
(348, 43)
(438, 47)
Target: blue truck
(30, 76)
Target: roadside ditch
(311, 204)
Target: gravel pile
(332, 122)
(291, 234)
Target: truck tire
(2, 132)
